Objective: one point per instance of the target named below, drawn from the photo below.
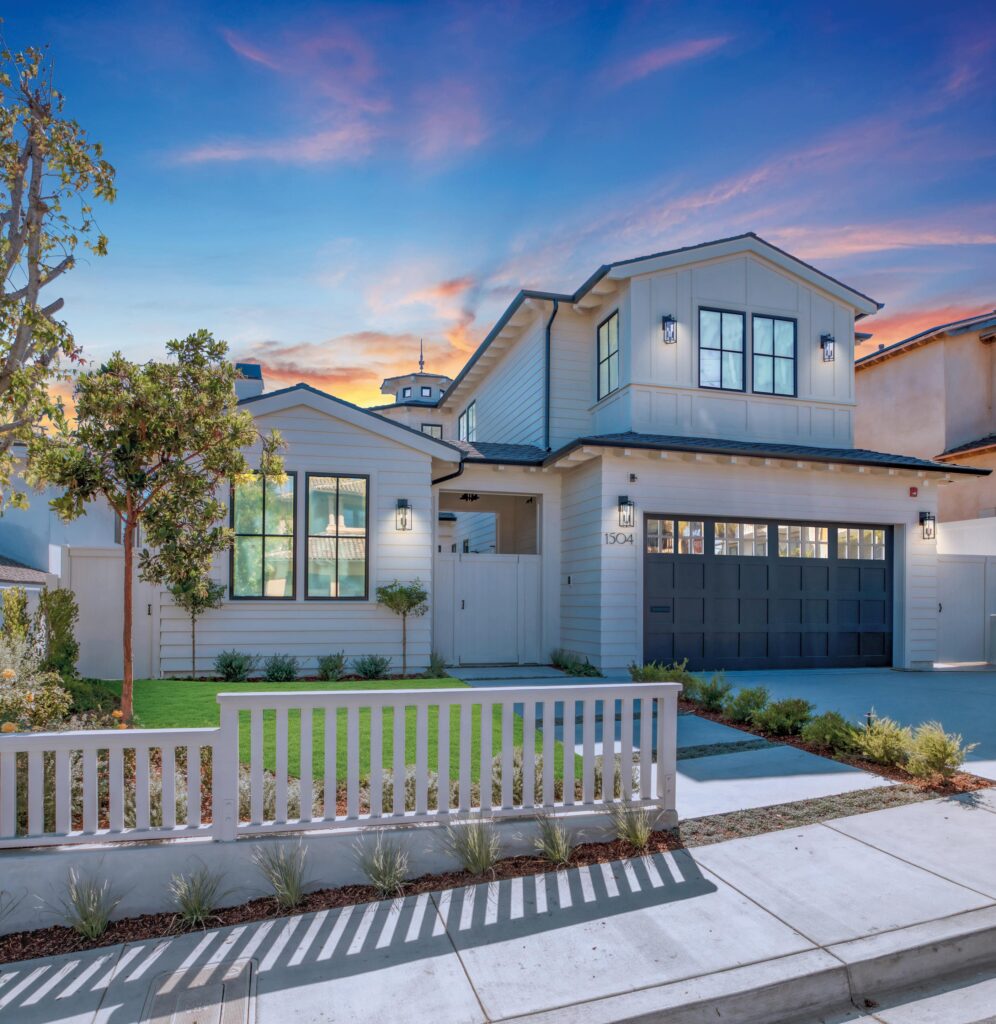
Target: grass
(187, 704)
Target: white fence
(333, 759)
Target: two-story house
(658, 465)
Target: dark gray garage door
(739, 594)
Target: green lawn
(184, 703)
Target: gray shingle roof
(979, 321)
(12, 571)
(493, 451)
(988, 441)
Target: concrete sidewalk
(809, 921)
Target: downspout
(546, 401)
(450, 476)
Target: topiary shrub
(235, 666)
(372, 666)
(280, 668)
(713, 693)
(784, 717)
(744, 705)
(832, 732)
(935, 752)
(885, 742)
(16, 621)
(55, 621)
(332, 666)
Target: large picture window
(263, 519)
(608, 355)
(774, 355)
(337, 537)
(721, 350)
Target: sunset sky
(322, 184)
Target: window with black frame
(608, 355)
(337, 537)
(467, 423)
(263, 519)
(774, 355)
(721, 349)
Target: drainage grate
(213, 994)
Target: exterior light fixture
(928, 524)
(669, 326)
(827, 344)
(627, 511)
(403, 515)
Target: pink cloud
(329, 145)
(834, 242)
(246, 49)
(450, 120)
(651, 61)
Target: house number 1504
(619, 538)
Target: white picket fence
(113, 786)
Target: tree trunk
(193, 646)
(404, 645)
(127, 668)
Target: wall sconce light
(827, 344)
(403, 515)
(928, 525)
(670, 328)
(627, 511)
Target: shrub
(283, 868)
(372, 666)
(385, 863)
(661, 672)
(570, 663)
(280, 668)
(332, 666)
(935, 752)
(88, 904)
(404, 599)
(29, 697)
(90, 695)
(57, 616)
(784, 717)
(884, 741)
(635, 825)
(475, 844)
(196, 895)
(16, 621)
(831, 731)
(437, 667)
(712, 693)
(552, 841)
(235, 666)
(745, 704)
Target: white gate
(964, 607)
(487, 609)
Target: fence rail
(286, 761)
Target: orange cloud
(887, 329)
(651, 61)
(828, 242)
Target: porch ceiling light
(669, 328)
(928, 525)
(403, 515)
(827, 343)
(627, 511)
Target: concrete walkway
(788, 925)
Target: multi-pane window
(337, 536)
(608, 355)
(406, 392)
(721, 350)
(660, 536)
(433, 430)
(263, 551)
(803, 541)
(467, 423)
(741, 539)
(691, 537)
(774, 355)
(426, 392)
(861, 542)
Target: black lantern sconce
(627, 512)
(827, 344)
(928, 525)
(403, 515)
(669, 327)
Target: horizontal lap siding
(317, 443)
(572, 391)
(581, 602)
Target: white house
(659, 465)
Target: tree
(404, 599)
(156, 440)
(49, 174)
(195, 594)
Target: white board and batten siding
(322, 444)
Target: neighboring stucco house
(659, 465)
(934, 396)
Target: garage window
(741, 539)
(803, 542)
(660, 536)
(691, 537)
(863, 543)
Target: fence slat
(169, 785)
(646, 751)
(549, 737)
(487, 729)
(466, 740)
(529, 754)
(398, 775)
(353, 763)
(376, 762)
(507, 750)
(256, 765)
(8, 793)
(626, 748)
(588, 752)
(421, 759)
(608, 751)
(330, 802)
(443, 759)
(142, 816)
(36, 793)
(570, 734)
(90, 790)
(280, 765)
(307, 761)
(193, 786)
(64, 791)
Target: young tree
(195, 594)
(50, 173)
(404, 599)
(156, 440)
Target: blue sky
(322, 184)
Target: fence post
(225, 775)
(667, 753)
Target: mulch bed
(960, 782)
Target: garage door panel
(873, 613)
(690, 575)
(815, 610)
(787, 579)
(785, 645)
(753, 645)
(848, 612)
(849, 578)
(873, 580)
(725, 613)
(754, 575)
(815, 645)
(720, 647)
(723, 575)
(690, 645)
(753, 611)
(872, 644)
(815, 577)
(689, 611)
(787, 611)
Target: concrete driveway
(962, 700)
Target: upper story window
(774, 355)
(721, 349)
(433, 430)
(264, 520)
(337, 537)
(608, 355)
(406, 392)
(467, 423)
(426, 392)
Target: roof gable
(979, 322)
